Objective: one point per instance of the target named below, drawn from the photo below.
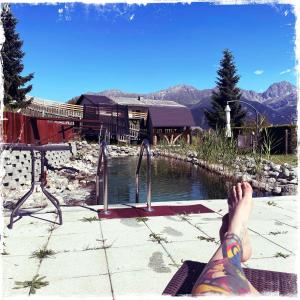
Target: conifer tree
(226, 90)
(14, 83)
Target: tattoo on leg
(225, 276)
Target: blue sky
(76, 48)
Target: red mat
(161, 210)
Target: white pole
(228, 128)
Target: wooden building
(169, 124)
(132, 119)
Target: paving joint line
(44, 247)
(271, 241)
(164, 248)
(107, 264)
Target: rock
(276, 168)
(277, 190)
(255, 183)
(271, 180)
(266, 168)
(285, 172)
(273, 173)
(293, 181)
(265, 173)
(282, 180)
(246, 177)
(289, 189)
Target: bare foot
(240, 197)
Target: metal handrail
(102, 162)
(145, 145)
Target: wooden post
(188, 140)
(63, 133)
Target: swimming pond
(172, 180)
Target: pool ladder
(102, 172)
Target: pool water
(172, 180)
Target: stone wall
(17, 165)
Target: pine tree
(14, 84)
(226, 90)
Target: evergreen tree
(226, 90)
(14, 84)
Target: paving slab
(142, 257)
(24, 246)
(74, 264)
(141, 283)
(19, 267)
(88, 286)
(261, 247)
(173, 230)
(77, 227)
(278, 264)
(200, 250)
(75, 242)
(72, 214)
(125, 232)
(9, 290)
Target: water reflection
(172, 180)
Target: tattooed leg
(224, 276)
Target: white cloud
(131, 17)
(285, 71)
(258, 72)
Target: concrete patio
(118, 257)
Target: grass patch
(156, 237)
(204, 238)
(88, 248)
(141, 219)
(90, 219)
(34, 284)
(4, 252)
(52, 228)
(279, 254)
(281, 159)
(277, 232)
(184, 217)
(43, 253)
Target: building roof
(144, 102)
(164, 116)
(95, 99)
(99, 99)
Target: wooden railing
(45, 108)
(137, 115)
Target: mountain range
(278, 103)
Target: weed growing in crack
(277, 232)
(34, 284)
(156, 237)
(279, 254)
(52, 228)
(184, 217)
(204, 238)
(43, 253)
(90, 219)
(141, 219)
